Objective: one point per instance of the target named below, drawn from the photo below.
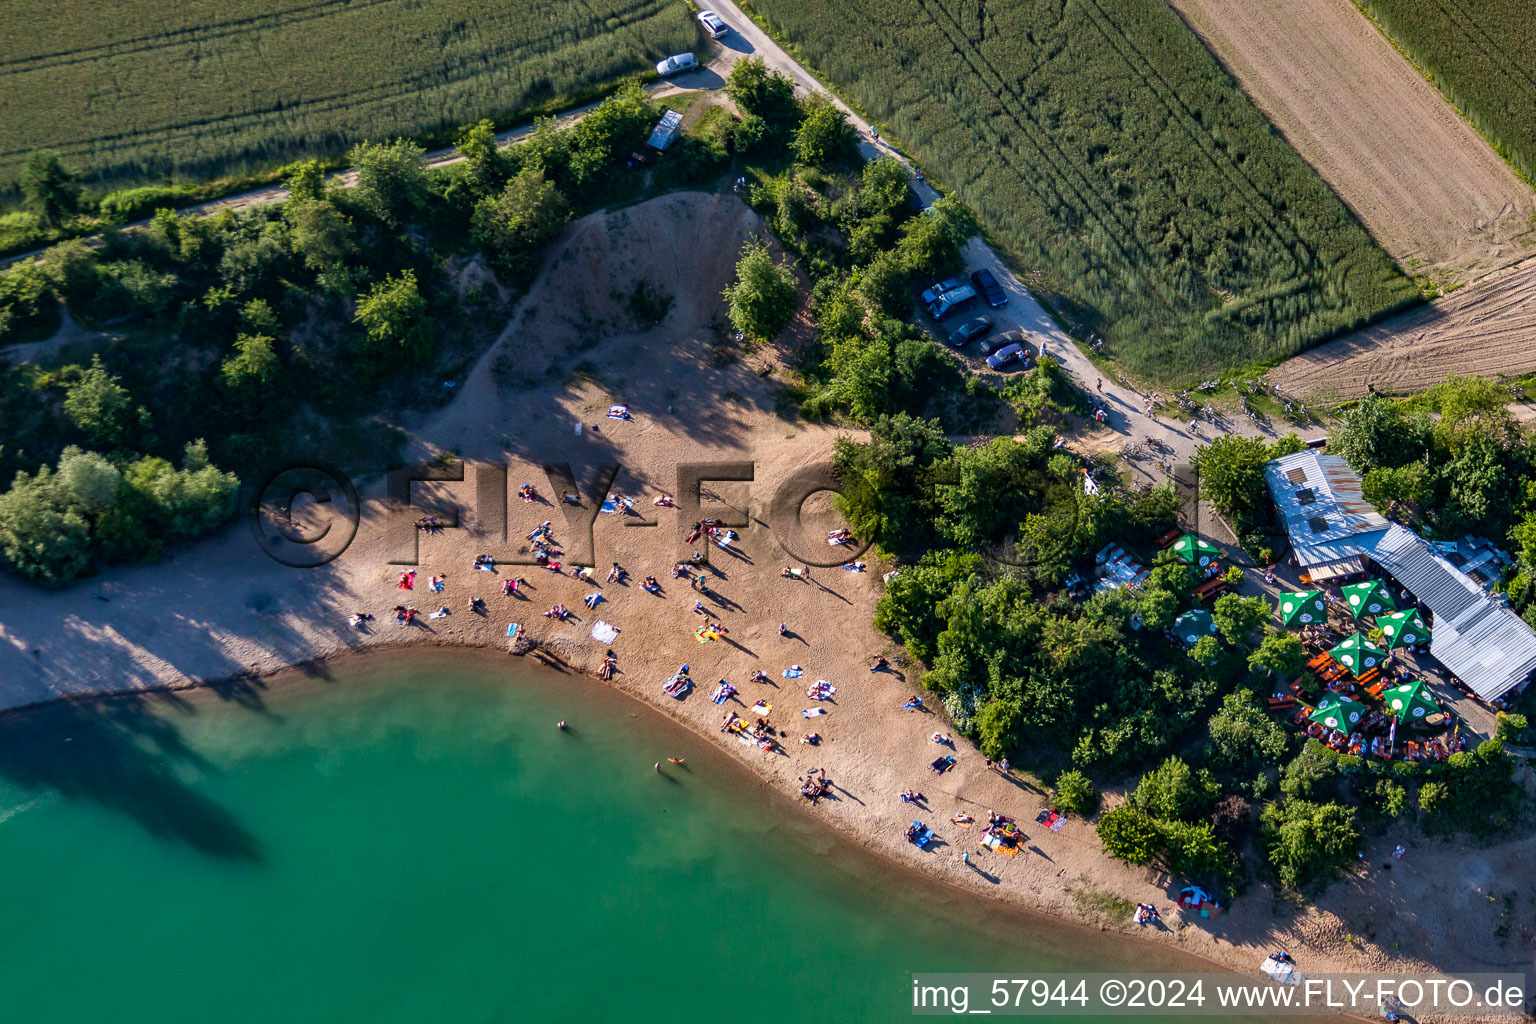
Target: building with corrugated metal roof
(1333, 530)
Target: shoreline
(221, 613)
(874, 860)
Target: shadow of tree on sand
(120, 754)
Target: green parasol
(1358, 655)
(1402, 629)
(1195, 551)
(1191, 626)
(1368, 598)
(1303, 608)
(1410, 701)
(1339, 713)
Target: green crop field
(1104, 147)
(1482, 56)
(202, 88)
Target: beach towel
(512, 629)
(609, 507)
(812, 712)
(722, 693)
(761, 708)
(439, 614)
(618, 412)
(603, 633)
(794, 672)
(823, 690)
(486, 567)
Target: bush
(394, 318)
(134, 203)
(824, 137)
(1305, 840)
(1129, 835)
(1075, 793)
(764, 296)
(43, 535)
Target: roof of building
(1319, 498)
(1483, 642)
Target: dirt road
(1428, 187)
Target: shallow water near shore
(409, 838)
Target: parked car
(712, 24)
(1006, 355)
(999, 341)
(970, 331)
(947, 301)
(677, 64)
(934, 292)
(987, 285)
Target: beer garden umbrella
(1358, 655)
(1191, 626)
(1401, 629)
(1410, 702)
(1368, 598)
(1195, 551)
(1303, 608)
(1338, 713)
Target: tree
(1232, 472)
(184, 503)
(1279, 654)
(42, 535)
(1236, 616)
(824, 137)
(882, 497)
(765, 294)
(1375, 434)
(323, 237)
(248, 376)
(304, 180)
(391, 179)
(1244, 740)
(601, 139)
(1174, 791)
(1075, 793)
(526, 214)
(49, 189)
(485, 166)
(1304, 840)
(1205, 651)
(1129, 835)
(394, 316)
(882, 284)
(99, 406)
(88, 481)
(1307, 772)
(1193, 848)
(1399, 492)
(71, 268)
(885, 187)
(930, 244)
(763, 93)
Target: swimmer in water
(676, 760)
(560, 725)
(658, 767)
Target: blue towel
(512, 629)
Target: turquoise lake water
(409, 839)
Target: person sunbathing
(962, 819)
(592, 600)
(650, 585)
(663, 501)
(616, 573)
(526, 492)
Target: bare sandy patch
(1427, 186)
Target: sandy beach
(223, 613)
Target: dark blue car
(989, 289)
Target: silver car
(712, 24)
(677, 64)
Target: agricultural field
(1108, 151)
(1482, 55)
(1484, 330)
(1428, 188)
(204, 88)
